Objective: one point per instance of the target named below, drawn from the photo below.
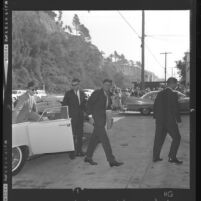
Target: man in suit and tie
(25, 109)
(97, 105)
(166, 113)
(75, 99)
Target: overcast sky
(167, 31)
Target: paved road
(132, 142)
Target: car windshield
(150, 95)
(55, 113)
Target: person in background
(166, 113)
(76, 99)
(98, 103)
(116, 100)
(25, 108)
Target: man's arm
(66, 99)
(20, 102)
(178, 117)
(156, 105)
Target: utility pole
(187, 66)
(142, 53)
(165, 53)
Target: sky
(166, 31)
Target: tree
(116, 56)
(181, 66)
(84, 32)
(76, 23)
(69, 29)
(51, 13)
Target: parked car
(88, 92)
(16, 94)
(51, 134)
(145, 103)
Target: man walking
(75, 99)
(166, 113)
(25, 109)
(97, 105)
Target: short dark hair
(31, 84)
(172, 80)
(75, 80)
(107, 80)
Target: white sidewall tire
(23, 153)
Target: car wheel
(19, 157)
(145, 111)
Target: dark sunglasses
(75, 85)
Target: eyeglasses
(75, 85)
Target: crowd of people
(119, 95)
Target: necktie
(106, 99)
(78, 95)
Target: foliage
(181, 66)
(55, 57)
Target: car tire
(20, 155)
(145, 111)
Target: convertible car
(51, 134)
(145, 103)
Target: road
(132, 141)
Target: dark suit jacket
(166, 107)
(96, 106)
(71, 100)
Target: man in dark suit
(166, 113)
(75, 99)
(97, 105)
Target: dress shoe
(81, 153)
(90, 161)
(157, 160)
(175, 160)
(72, 155)
(115, 163)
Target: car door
(53, 133)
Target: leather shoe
(115, 163)
(157, 160)
(72, 155)
(81, 154)
(175, 160)
(90, 161)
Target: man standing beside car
(75, 99)
(166, 113)
(25, 108)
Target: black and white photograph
(100, 99)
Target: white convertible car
(51, 134)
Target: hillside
(44, 51)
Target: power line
(129, 24)
(153, 56)
(139, 37)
